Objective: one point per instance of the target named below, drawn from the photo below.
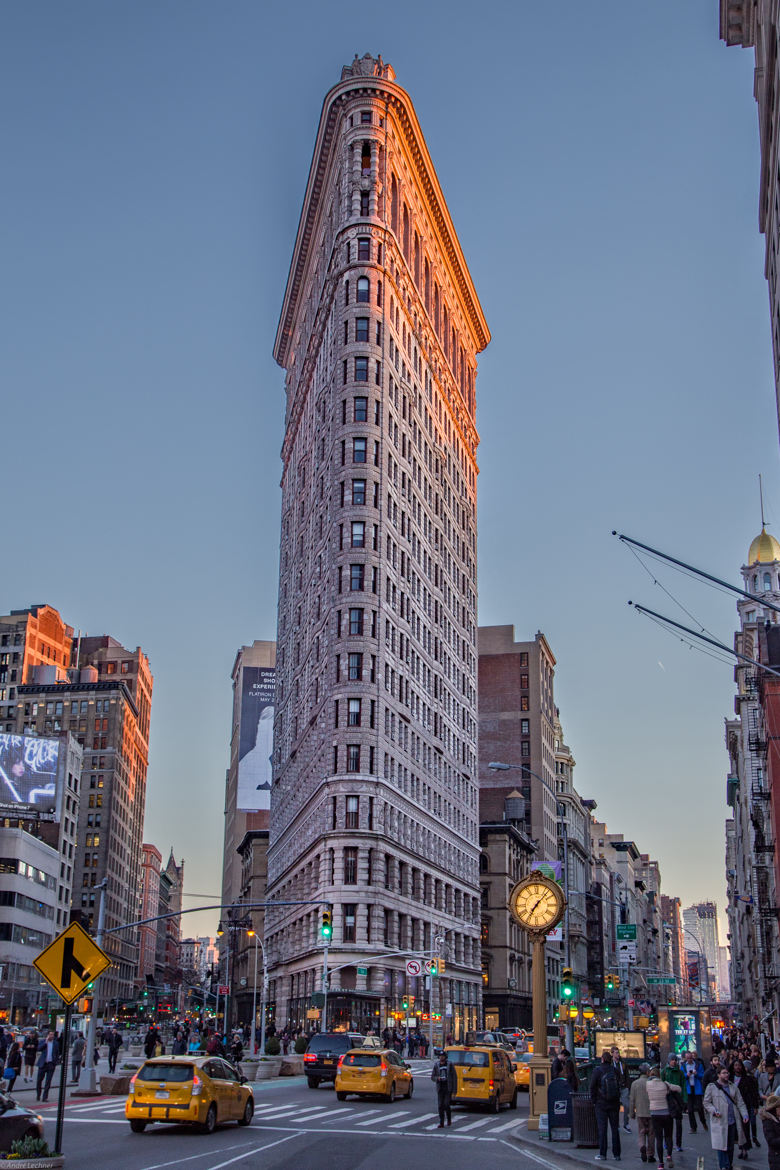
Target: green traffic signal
(326, 925)
(567, 983)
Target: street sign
(414, 967)
(318, 999)
(626, 932)
(71, 962)
(362, 970)
(661, 979)
(626, 952)
(223, 989)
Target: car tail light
(309, 1056)
(490, 1084)
(341, 1061)
(133, 1079)
(383, 1069)
(197, 1085)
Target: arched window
(427, 287)
(362, 288)
(407, 236)
(436, 306)
(767, 581)
(417, 259)
(365, 160)
(755, 582)
(394, 204)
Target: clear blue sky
(601, 166)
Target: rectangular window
(349, 923)
(358, 491)
(353, 812)
(353, 757)
(364, 203)
(353, 719)
(350, 866)
(364, 248)
(359, 452)
(525, 749)
(363, 290)
(524, 681)
(361, 329)
(356, 578)
(365, 117)
(361, 369)
(358, 534)
(356, 622)
(524, 727)
(360, 410)
(355, 668)
(524, 703)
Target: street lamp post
(90, 1086)
(261, 944)
(560, 811)
(234, 925)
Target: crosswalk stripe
(402, 1124)
(374, 1120)
(508, 1125)
(457, 1117)
(476, 1124)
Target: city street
(294, 1127)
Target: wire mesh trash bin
(586, 1133)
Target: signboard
(362, 970)
(556, 934)
(626, 931)
(71, 962)
(223, 989)
(28, 774)
(661, 979)
(414, 967)
(318, 999)
(313, 1014)
(630, 1044)
(255, 738)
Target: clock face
(537, 905)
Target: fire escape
(763, 850)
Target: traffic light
(326, 925)
(567, 984)
(434, 966)
(610, 982)
(405, 1003)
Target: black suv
(321, 1058)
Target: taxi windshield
(463, 1056)
(166, 1072)
(362, 1060)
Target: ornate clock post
(537, 905)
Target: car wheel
(136, 1127)
(312, 1082)
(341, 1096)
(391, 1094)
(513, 1102)
(248, 1114)
(494, 1104)
(210, 1124)
(411, 1090)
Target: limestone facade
(374, 807)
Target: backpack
(609, 1089)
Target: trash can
(586, 1134)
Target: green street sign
(661, 979)
(625, 932)
(362, 970)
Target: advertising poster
(255, 738)
(28, 774)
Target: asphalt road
(296, 1128)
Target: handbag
(674, 1103)
(9, 1074)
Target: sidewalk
(695, 1145)
(25, 1090)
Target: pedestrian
(747, 1084)
(771, 1127)
(30, 1053)
(446, 1080)
(179, 1044)
(114, 1048)
(48, 1059)
(639, 1107)
(569, 1074)
(693, 1071)
(711, 1075)
(673, 1075)
(13, 1064)
(659, 1095)
(76, 1057)
(605, 1095)
(621, 1071)
(559, 1060)
(768, 1079)
(728, 1115)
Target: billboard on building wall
(255, 738)
(28, 775)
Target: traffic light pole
(90, 1086)
(324, 1027)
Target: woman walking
(660, 1114)
(13, 1064)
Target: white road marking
(253, 1150)
(373, 1120)
(456, 1118)
(402, 1124)
(194, 1157)
(509, 1125)
(476, 1124)
(527, 1154)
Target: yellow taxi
(373, 1072)
(523, 1070)
(485, 1076)
(195, 1090)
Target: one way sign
(71, 962)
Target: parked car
(195, 1090)
(17, 1122)
(321, 1058)
(523, 1070)
(372, 1071)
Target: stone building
(374, 808)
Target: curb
(540, 1146)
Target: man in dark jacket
(605, 1094)
(771, 1127)
(48, 1059)
(445, 1078)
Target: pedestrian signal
(326, 925)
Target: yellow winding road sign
(71, 962)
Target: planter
(136, 1049)
(114, 1085)
(268, 1068)
(292, 1066)
(36, 1163)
